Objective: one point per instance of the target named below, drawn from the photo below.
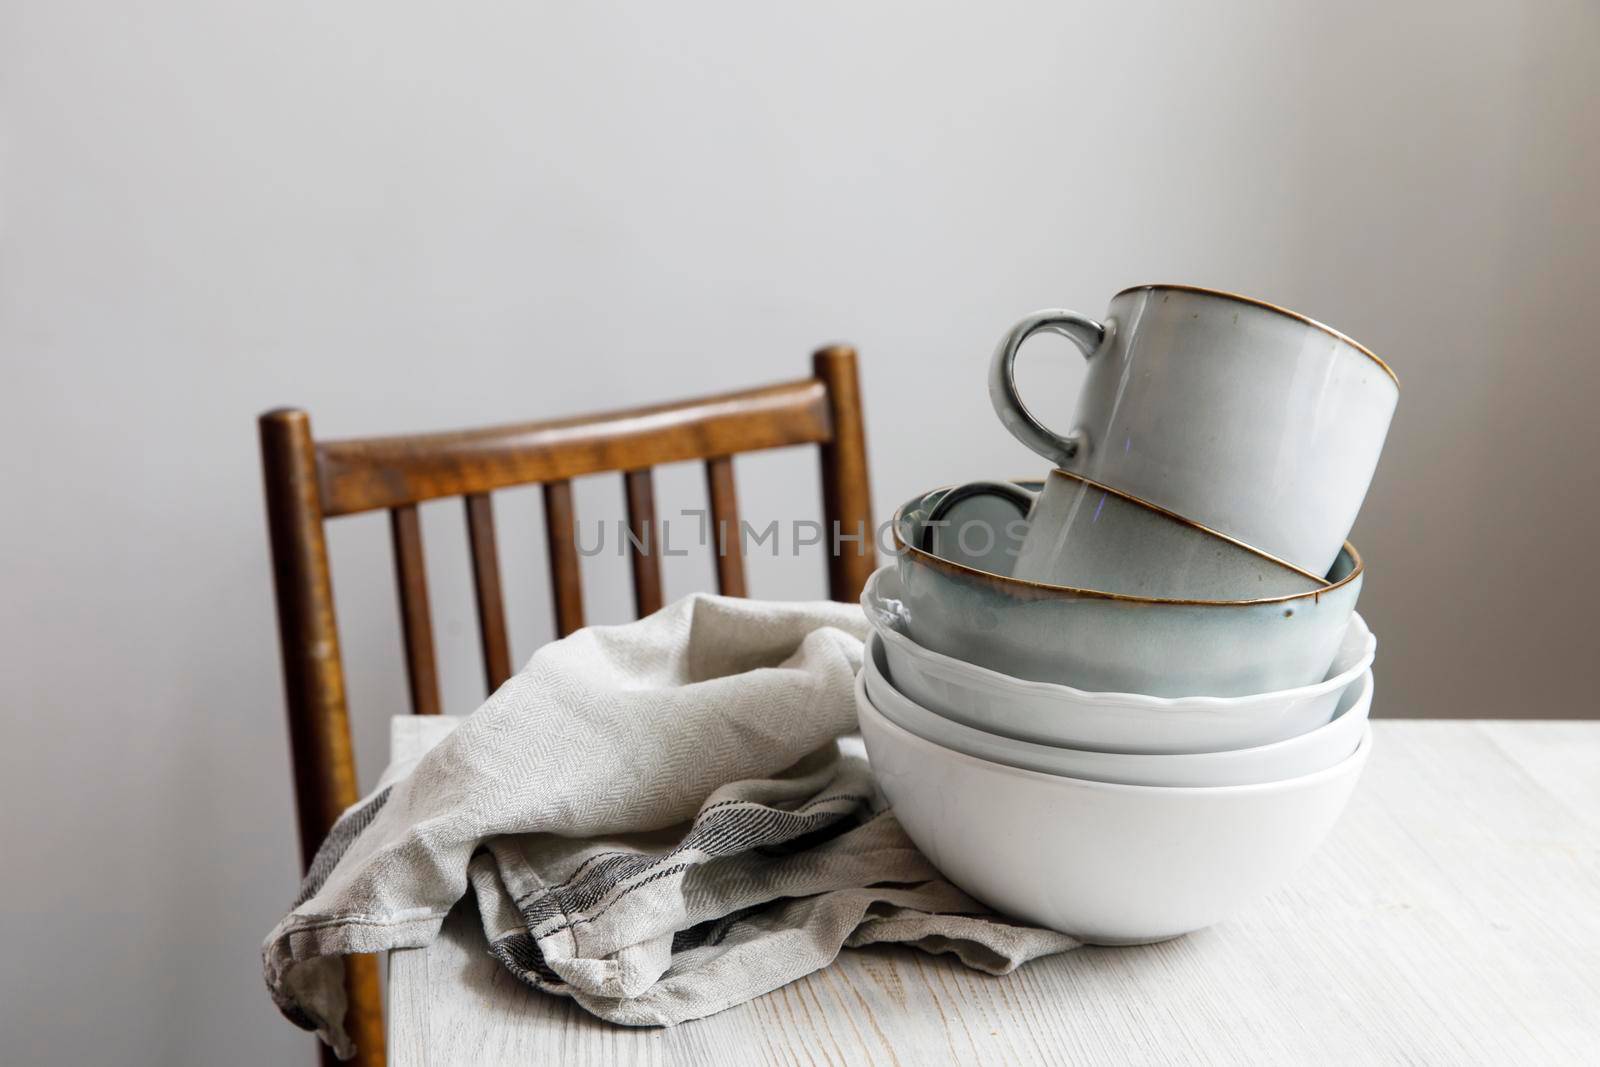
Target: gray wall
(408, 216)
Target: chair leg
(363, 1019)
(319, 726)
(846, 489)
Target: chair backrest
(310, 481)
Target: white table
(1454, 917)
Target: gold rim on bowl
(1185, 521)
(1044, 590)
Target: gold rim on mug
(1269, 306)
(1044, 590)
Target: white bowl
(1105, 722)
(1109, 864)
(1310, 752)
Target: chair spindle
(486, 587)
(726, 541)
(415, 619)
(561, 533)
(644, 550)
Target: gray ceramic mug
(1252, 420)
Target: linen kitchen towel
(655, 819)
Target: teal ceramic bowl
(1116, 642)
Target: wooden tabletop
(1453, 917)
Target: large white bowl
(1310, 752)
(1104, 722)
(1110, 864)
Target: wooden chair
(309, 481)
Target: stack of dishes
(1099, 713)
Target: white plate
(1106, 722)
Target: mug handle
(1017, 496)
(1084, 332)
